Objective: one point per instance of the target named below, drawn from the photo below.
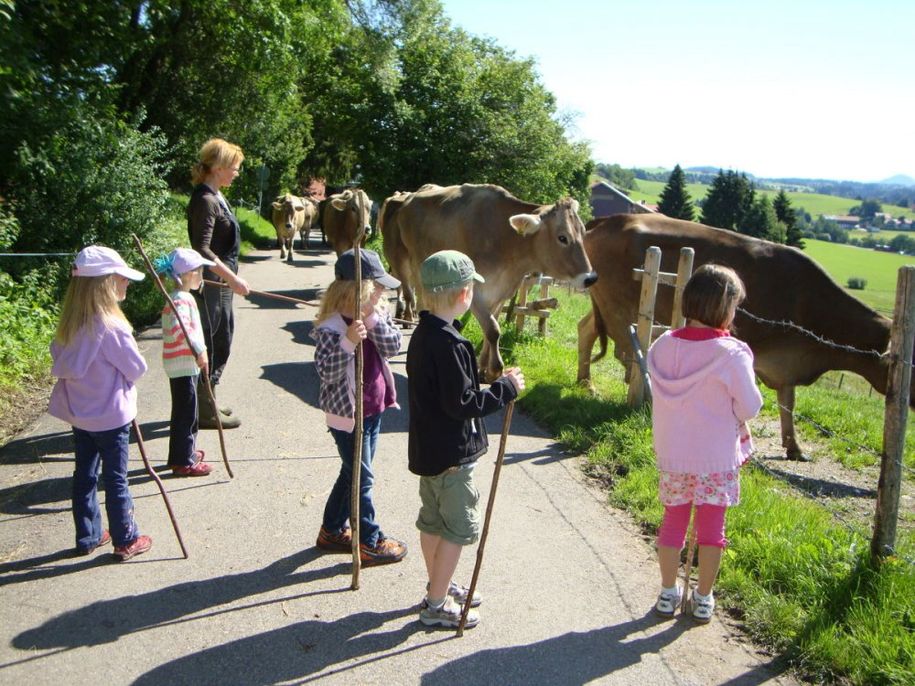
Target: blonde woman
(97, 363)
(215, 234)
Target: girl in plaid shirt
(336, 336)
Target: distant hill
(899, 180)
(896, 191)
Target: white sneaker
(448, 615)
(459, 593)
(668, 601)
(703, 607)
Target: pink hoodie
(96, 373)
(702, 388)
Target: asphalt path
(568, 583)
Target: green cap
(447, 269)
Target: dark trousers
(182, 433)
(218, 323)
(108, 450)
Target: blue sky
(800, 88)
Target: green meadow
(814, 203)
(878, 268)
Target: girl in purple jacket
(703, 392)
(97, 362)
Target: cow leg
(793, 451)
(587, 334)
(281, 243)
(491, 364)
(289, 242)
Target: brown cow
(290, 214)
(344, 215)
(782, 284)
(505, 237)
(311, 219)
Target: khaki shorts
(450, 506)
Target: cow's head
(558, 232)
(356, 204)
(287, 206)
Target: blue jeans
(109, 448)
(337, 509)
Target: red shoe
(137, 546)
(199, 468)
(337, 543)
(200, 455)
(104, 540)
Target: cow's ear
(525, 224)
(338, 204)
(277, 205)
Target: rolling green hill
(814, 203)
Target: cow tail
(601, 328)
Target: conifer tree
(728, 201)
(787, 216)
(675, 201)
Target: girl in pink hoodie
(703, 391)
(97, 362)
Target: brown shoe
(137, 546)
(386, 551)
(335, 543)
(104, 540)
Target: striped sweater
(177, 357)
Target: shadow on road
(107, 621)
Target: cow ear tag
(525, 224)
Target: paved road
(568, 583)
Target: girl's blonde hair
(710, 294)
(88, 298)
(215, 153)
(340, 297)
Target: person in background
(215, 234)
(703, 391)
(184, 359)
(97, 363)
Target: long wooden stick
(155, 477)
(506, 423)
(187, 340)
(356, 489)
(690, 552)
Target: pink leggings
(709, 525)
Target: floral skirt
(717, 488)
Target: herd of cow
(508, 238)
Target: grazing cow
(290, 214)
(505, 237)
(783, 285)
(344, 215)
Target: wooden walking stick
(690, 552)
(356, 488)
(187, 340)
(155, 477)
(506, 423)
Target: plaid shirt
(335, 362)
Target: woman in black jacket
(215, 234)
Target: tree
(761, 221)
(728, 201)
(788, 216)
(675, 201)
(868, 209)
(615, 174)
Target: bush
(857, 283)
(94, 180)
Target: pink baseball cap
(97, 260)
(184, 260)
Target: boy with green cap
(447, 435)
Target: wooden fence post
(684, 271)
(897, 409)
(636, 395)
